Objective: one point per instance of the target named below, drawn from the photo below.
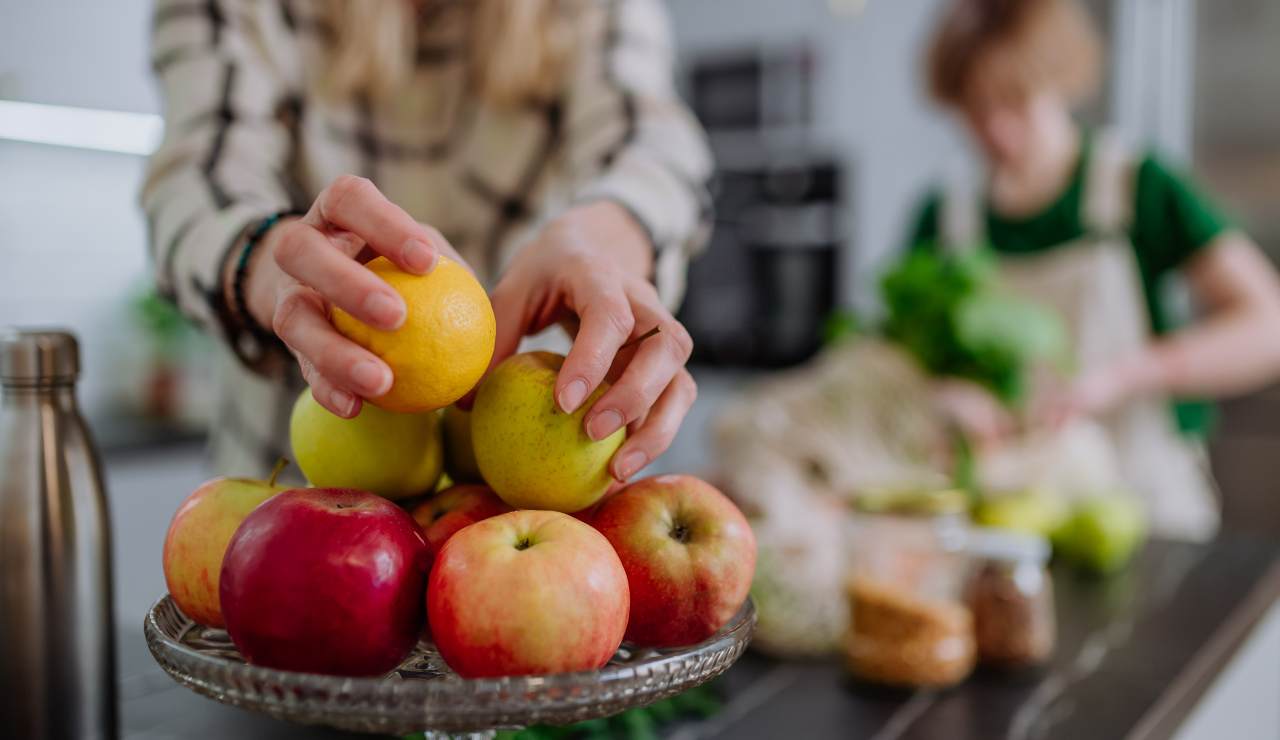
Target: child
(1089, 229)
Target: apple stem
(652, 332)
(281, 464)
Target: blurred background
(824, 140)
(823, 136)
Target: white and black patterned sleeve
(629, 138)
(222, 164)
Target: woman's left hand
(588, 269)
(1097, 392)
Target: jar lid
(1007, 545)
(38, 357)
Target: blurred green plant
(160, 319)
(949, 311)
(842, 324)
(644, 723)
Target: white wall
(71, 235)
(77, 52)
(868, 100)
(71, 253)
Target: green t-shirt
(1171, 221)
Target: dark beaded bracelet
(242, 268)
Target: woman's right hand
(305, 266)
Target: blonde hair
(517, 51)
(1011, 48)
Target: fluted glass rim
(428, 696)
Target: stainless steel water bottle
(57, 658)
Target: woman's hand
(1097, 392)
(305, 266)
(974, 411)
(588, 269)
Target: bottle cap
(38, 357)
(1007, 545)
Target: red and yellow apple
(198, 537)
(689, 556)
(527, 593)
(442, 515)
(325, 580)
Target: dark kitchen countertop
(1134, 655)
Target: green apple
(393, 455)
(459, 457)
(1102, 533)
(1030, 512)
(532, 454)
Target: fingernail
(572, 395)
(604, 424)
(630, 464)
(385, 309)
(342, 401)
(372, 378)
(418, 256)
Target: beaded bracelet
(242, 268)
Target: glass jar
(909, 623)
(1011, 597)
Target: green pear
(393, 455)
(459, 457)
(532, 454)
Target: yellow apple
(393, 455)
(198, 537)
(459, 457)
(531, 453)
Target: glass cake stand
(423, 695)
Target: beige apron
(1094, 285)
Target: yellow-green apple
(442, 515)
(1102, 533)
(459, 457)
(530, 452)
(689, 556)
(325, 580)
(393, 455)
(198, 537)
(527, 593)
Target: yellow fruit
(445, 343)
(392, 455)
(459, 457)
(530, 452)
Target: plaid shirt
(246, 137)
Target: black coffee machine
(762, 291)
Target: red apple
(526, 593)
(689, 556)
(325, 580)
(588, 514)
(198, 536)
(442, 515)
